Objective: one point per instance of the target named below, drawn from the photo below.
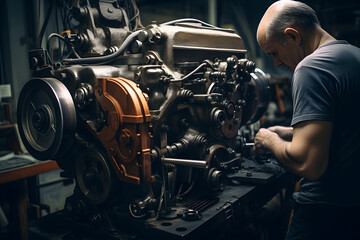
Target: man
(322, 145)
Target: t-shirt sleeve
(313, 95)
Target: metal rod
(187, 162)
(212, 12)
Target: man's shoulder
(331, 55)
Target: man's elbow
(306, 165)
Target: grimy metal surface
(156, 117)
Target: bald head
(284, 14)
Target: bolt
(184, 123)
(90, 176)
(57, 65)
(79, 95)
(148, 59)
(126, 136)
(137, 76)
(63, 75)
(143, 36)
(231, 61)
(33, 62)
(36, 120)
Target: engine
(141, 118)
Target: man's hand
(262, 139)
(306, 154)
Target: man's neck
(316, 40)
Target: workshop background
(21, 21)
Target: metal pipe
(187, 162)
(101, 59)
(212, 12)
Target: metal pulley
(93, 175)
(258, 97)
(46, 118)
(214, 177)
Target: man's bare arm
(306, 154)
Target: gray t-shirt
(326, 86)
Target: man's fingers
(258, 149)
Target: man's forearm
(307, 153)
(279, 147)
(285, 133)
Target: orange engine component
(126, 136)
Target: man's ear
(293, 34)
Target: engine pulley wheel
(215, 179)
(93, 175)
(259, 92)
(46, 117)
